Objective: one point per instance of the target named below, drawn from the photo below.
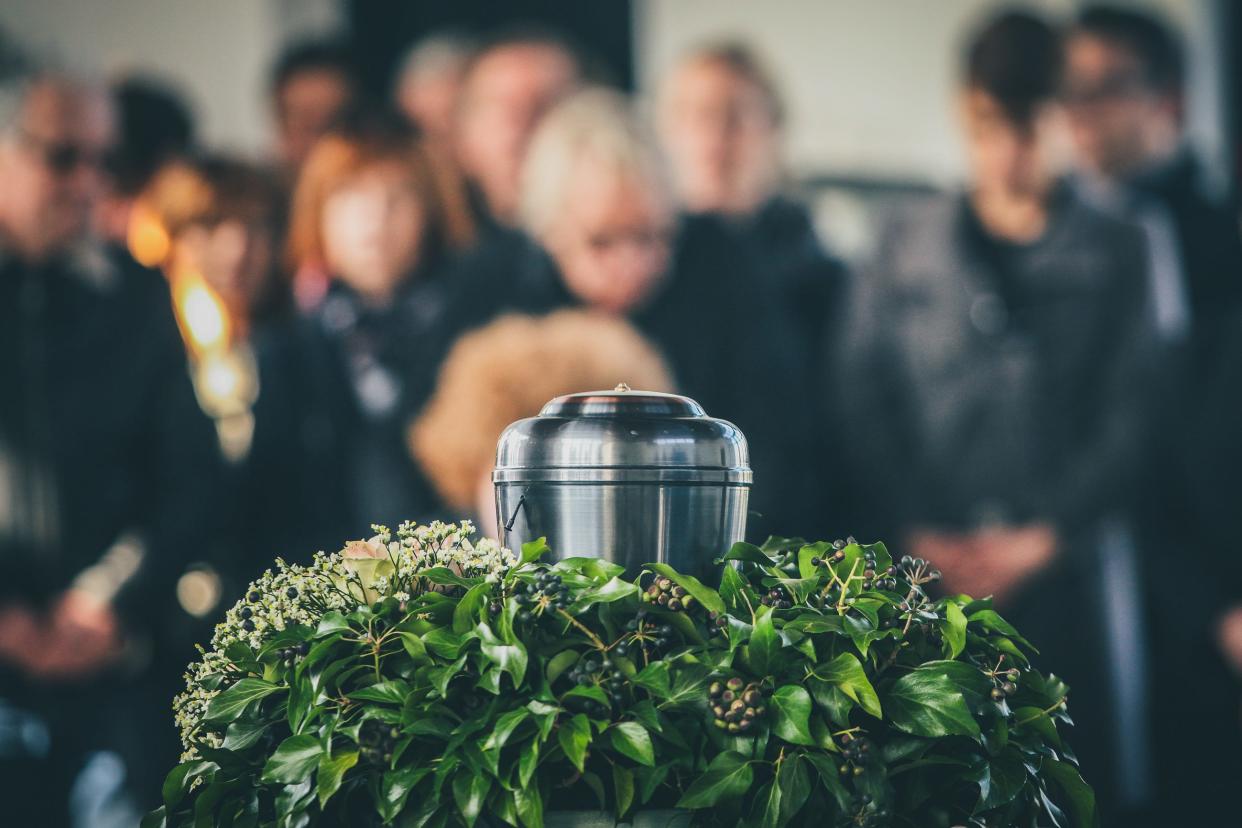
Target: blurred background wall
(847, 67)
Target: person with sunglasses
(106, 466)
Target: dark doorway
(381, 30)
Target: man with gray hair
(104, 458)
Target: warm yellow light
(201, 313)
(146, 237)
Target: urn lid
(622, 436)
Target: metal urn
(628, 476)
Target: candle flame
(201, 314)
(146, 236)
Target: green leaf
(791, 714)
(788, 793)
(614, 589)
(470, 789)
(728, 777)
(574, 737)
(227, 706)
(632, 739)
(623, 785)
(831, 779)
(528, 762)
(846, 672)
(332, 622)
(742, 551)
(533, 551)
(177, 783)
(529, 806)
(394, 789)
(1039, 721)
(705, 595)
(1000, 779)
(243, 734)
(414, 648)
(293, 761)
(466, 613)
(508, 657)
(820, 550)
(990, 620)
(1076, 793)
(732, 588)
(332, 771)
(954, 628)
(655, 679)
(504, 728)
(929, 704)
(762, 652)
(393, 691)
(559, 663)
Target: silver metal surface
(628, 476)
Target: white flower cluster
(363, 571)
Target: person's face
(372, 229)
(51, 166)
(613, 240)
(233, 256)
(1007, 158)
(504, 97)
(1112, 112)
(430, 99)
(308, 104)
(721, 138)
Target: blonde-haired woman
(595, 200)
(506, 371)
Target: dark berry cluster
(918, 570)
(669, 595)
(856, 750)
(247, 614)
(1006, 684)
(646, 637)
(602, 672)
(735, 704)
(869, 813)
(289, 655)
(777, 598)
(716, 624)
(376, 741)
(547, 591)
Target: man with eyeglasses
(105, 462)
(1125, 99)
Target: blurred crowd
(206, 362)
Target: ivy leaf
(1000, 779)
(791, 714)
(705, 595)
(504, 728)
(332, 771)
(533, 551)
(293, 761)
(732, 587)
(928, 703)
(623, 785)
(991, 621)
(787, 793)
(574, 736)
(393, 691)
(953, 628)
(632, 739)
(729, 776)
(508, 657)
(394, 789)
(243, 734)
(465, 614)
(846, 672)
(332, 622)
(227, 706)
(470, 789)
(742, 551)
(177, 783)
(764, 644)
(614, 589)
(820, 550)
(1077, 793)
(527, 762)
(830, 778)
(529, 804)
